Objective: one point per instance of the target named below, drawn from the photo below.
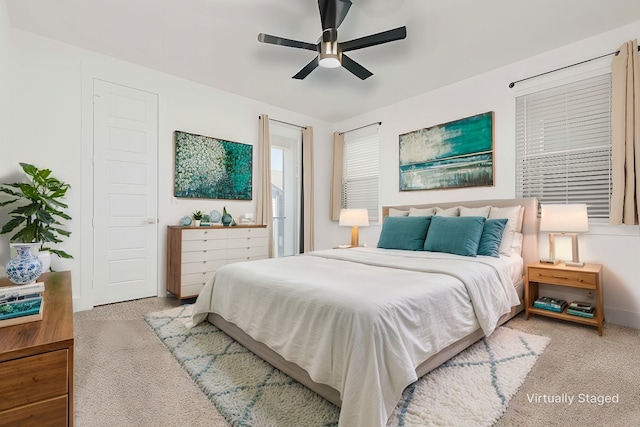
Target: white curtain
(264, 208)
(625, 135)
(307, 187)
(336, 177)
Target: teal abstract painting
(211, 168)
(450, 155)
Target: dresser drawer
(246, 253)
(247, 242)
(239, 233)
(190, 291)
(33, 378)
(202, 267)
(196, 278)
(204, 234)
(563, 277)
(205, 255)
(203, 245)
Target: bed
(346, 321)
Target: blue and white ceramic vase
(25, 267)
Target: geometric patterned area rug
(471, 389)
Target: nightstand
(588, 277)
(36, 361)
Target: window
(360, 170)
(563, 144)
(286, 143)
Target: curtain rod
(286, 123)
(512, 84)
(361, 127)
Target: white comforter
(361, 320)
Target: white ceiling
(214, 42)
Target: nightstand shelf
(588, 277)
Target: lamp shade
(354, 217)
(569, 218)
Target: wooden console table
(36, 361)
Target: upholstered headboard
(529, 222)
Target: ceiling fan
(330, 51)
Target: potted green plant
(197, 217)
(37, 218)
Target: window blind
(563, 144)
(360, 171)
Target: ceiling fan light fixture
(330, 55)
(329, 61)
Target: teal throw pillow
(404, 232)
(458, 235)
(491, 237)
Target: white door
(125, 149)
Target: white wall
(617, 248)
(5, 60)
(51, 116)
(5, 31)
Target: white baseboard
(81, 304)
(622, 317)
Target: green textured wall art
(211, 168)
(450, 155)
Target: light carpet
(473, 388)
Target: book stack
(551, 304)
(583, 309)
(21, 304)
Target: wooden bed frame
(529, 255)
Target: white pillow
(397, 212)
(455, 211)
(483, 211)
(520, 220)
(422, 211)
(516, 246)
(512, 213)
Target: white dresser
(195, 253)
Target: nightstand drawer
(33, 378)
(47, 413)
(563, 277)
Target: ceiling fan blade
(375, 39)
(266, 38)
(355, 68)
(307, 69)
(333, 12)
